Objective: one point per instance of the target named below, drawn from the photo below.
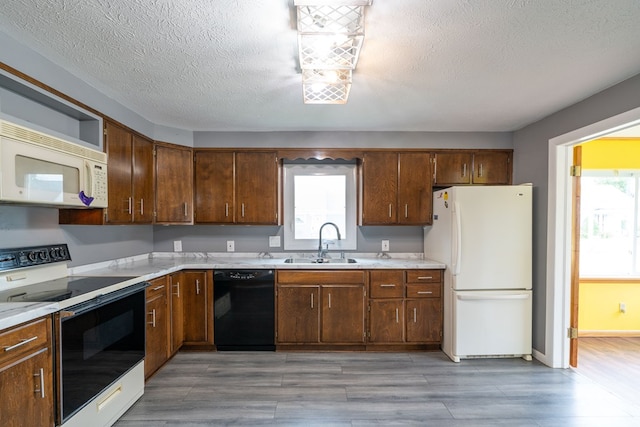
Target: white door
(492, 235)
(491, 323)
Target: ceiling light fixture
(330, 37)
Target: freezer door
(491, 237)
(491, 323)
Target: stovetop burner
(60, 289)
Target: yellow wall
(599, 302)
(599, 308)
(611, 153)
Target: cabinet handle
(424, 292)
(387, 285)
(406, 210)
(20, 344)
(329, 299)
(480, 171)
(177, 286)
(397, 315)
(197, 287)
(41, 389)
(390, 210)
(243, 210)
(415, 315)
(153, 318)
(226, 209)
(464, 170)
(186, 212)
(127, 209)
(425, 277)
(157, 288)
(311, 299)
(141, 206)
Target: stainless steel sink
(320, 261)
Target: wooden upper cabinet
(213, 181)
(236, 187)
(452, 168)
(461, 167)
(257, 188)
(396, 188)
(492, 167)
(142, 180)
(118, 141)
(380, 188)
(174, 184)
(414, 188)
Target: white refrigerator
(484, 236)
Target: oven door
(98, 342)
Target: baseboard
(608, 334)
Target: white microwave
(36, 168)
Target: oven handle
(101, 300)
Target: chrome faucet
(323, 252)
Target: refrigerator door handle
(457, 240)
(477, 297)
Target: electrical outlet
(177, 245)
(274, 241)
(231, 246)
(385, 246)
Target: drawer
(424, 276)
(386, 284)
(426, 290)
(24, 339)
(314, 277)
(156, 288)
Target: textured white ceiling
(432, 65)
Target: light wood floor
(363, 389)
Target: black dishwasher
(244, 310)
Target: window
(315, 193)
(609, 228)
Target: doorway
(558, 292)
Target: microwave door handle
(87, 169)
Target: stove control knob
(42, 255)
(33, 256)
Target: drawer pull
(425, 277)
(41, 389)
(20, 344)
(157, 288)
(388, 285)
(425, 292)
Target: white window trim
(349, 236)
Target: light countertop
(149, 266)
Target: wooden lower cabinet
(26, 375)
(320, 307)
(158, 326)
(405, 307)
(197, 289)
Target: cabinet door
(157, 334)
(424, 320)
(196, 304)
(177, 310)
(414, 189)
(24, 400)
(213, 181)
(174, 177)
(380, 188)
(142, 180)
(493, 167)
(118, 143)
(452, 168)
(386, 321)
(256, 188)
(298, 315)
(343, 314)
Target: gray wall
(531, 155)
